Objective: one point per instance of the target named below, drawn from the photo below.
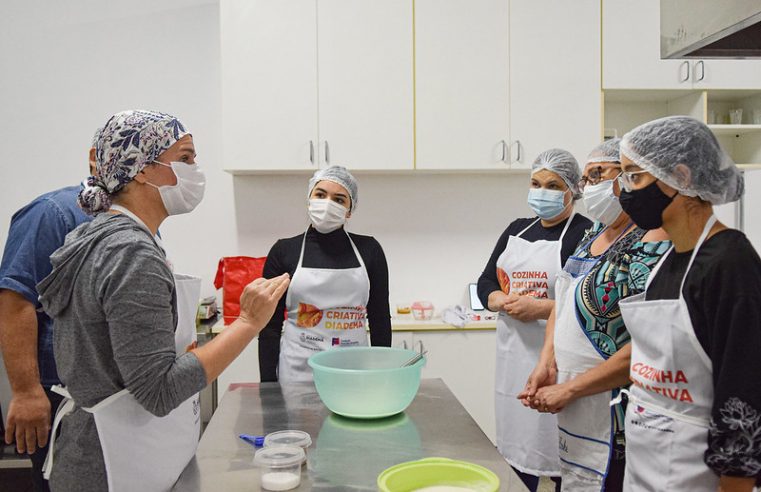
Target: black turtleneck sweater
(332, 250)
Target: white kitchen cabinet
(461, 84)
(554, 77)
(465, 361)
(269, 84)
(365, 83)
(632, 55)
(632, 51)
(726, 74)
(308, 83)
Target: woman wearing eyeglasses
(694, 420)
(585, 358)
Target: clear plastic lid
(288, 438)
(279, 456)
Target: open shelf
(734, 129)
(626, 109)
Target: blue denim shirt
(36, 231)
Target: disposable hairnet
(684, 153)
(562, 163)
(605, 152)
(339, 175)
(128, 142)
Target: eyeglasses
(628, 180)
(595, 176)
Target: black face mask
(646, 206)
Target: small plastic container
(296, 438)
(422, 310)
(281, 467)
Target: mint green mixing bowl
(366, 382)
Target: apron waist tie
(67, 405)
(658, 409)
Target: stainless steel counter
(346, 454)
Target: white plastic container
(281, 467)
(296, 438)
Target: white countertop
(407, 323)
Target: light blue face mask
(545, 203)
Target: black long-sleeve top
(488, 282)
(332, 250)
(723, 296)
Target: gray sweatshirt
(111, 296)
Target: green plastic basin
(366, 382)
(437, 472)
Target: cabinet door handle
(517, 144)
(682, 66)
(504, 151)
(702, 66)
(311, 152)
(327, 153)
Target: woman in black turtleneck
(338, 281)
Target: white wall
(66, 66)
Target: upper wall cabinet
(269, 84)
(365, 83)
(632, 55)
(632, 51)
(310, 83)
(462, 85)
(554, 77)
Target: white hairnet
(339, 175)
(562, 163)
(684, 153)
(605, 152)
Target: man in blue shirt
(26, 332)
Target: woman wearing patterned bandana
(124, 323)
(584, 361)
(694, 417)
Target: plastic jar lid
(288, 438)
(279, 456)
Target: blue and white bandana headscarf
(128, 142)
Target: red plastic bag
(233, 274)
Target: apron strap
(106, 401)
(567, 225)
(356, 253)
(565, 228)
(139, 221)
(67, 405)
(528, 227)
(706, 229)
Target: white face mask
(601, 203)
(187, 193)
(326, 215)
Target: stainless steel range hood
(710, 28)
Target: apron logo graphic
(532, 283)
(310, 338)
(309, 316)
(345, 318)
(504, 280)
(563, 445)
(336, 341)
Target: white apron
(326, 308)
(143, 452)
(585, 426)
(670, 401)
(527, 439)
